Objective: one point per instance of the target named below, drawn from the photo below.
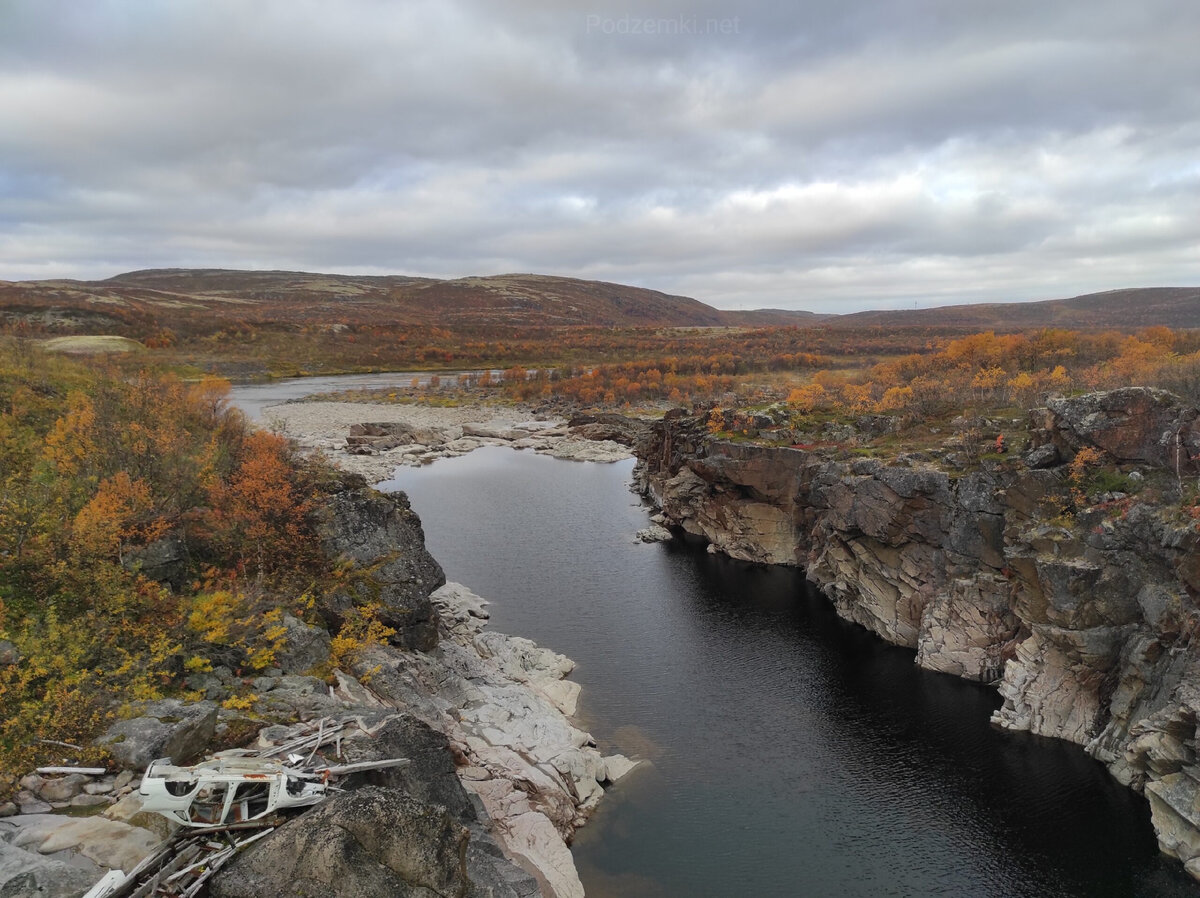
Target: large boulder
(107, 843)
(429, 780)
(162, 729)
(381, 537)
(430, 774)
(373, 841)
(24, 874)
(379, 437)
(165, 560)
(605, 426)
(1131, 424)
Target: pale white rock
(653, 534)
(618, 766)
(108, 843)
(563, 694)
(575, 449)
(966, 628)
(533, 837)
(505, 703)
(129, 810)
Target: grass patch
(98, 344)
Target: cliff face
(1080, 609)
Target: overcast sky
(830, 155)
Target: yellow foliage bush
(361, 628)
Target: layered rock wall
(1081, 611)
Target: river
(793, 754)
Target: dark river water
(792, 754)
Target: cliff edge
(1065, 575)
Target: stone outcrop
(609, 427)
(26, 873)
(304, 646)
(1083, 617)
(381, 536)
(372, 841)
(497, 774)
(374, 440)
(506, 708)
(1134, 424)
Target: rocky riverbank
(500, 777)
(1071, 590)
(373, 439)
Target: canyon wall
(1073, 595)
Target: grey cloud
(842, 154)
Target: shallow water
(792, 753)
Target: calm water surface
(792, 754)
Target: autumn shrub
(96, 468)
(1078, 472)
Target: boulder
(24, 874)
(617, 428)
(381, 536)
(62, 788)
(430, 774)
(165, 560)
(31, 804)
(107, 843)
(373, 841)
(166, 728)
(653, 534)
(304, 646)
(1131, 424)
(1044, 456)
(388, 435)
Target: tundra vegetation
(111, 463)
(145, 532)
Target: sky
(831, 155)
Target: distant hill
(1177, 307)
(164, 296)
(292, 296)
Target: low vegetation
(106, 466)
(102, 477)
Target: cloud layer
(834, 156)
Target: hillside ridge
(527, 299)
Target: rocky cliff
(1070, 588)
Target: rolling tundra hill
(1176, 307)
(289, 296)
(173, 296)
